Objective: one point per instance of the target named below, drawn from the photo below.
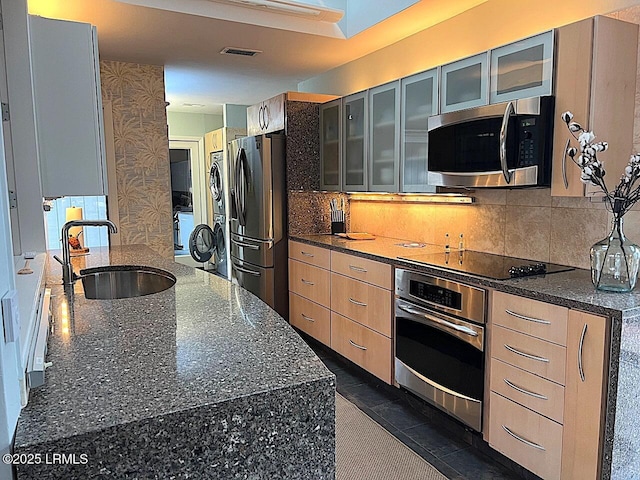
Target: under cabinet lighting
(449, 198)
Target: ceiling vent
(243, 52)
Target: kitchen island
(572, 289)
(202, 380)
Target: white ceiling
(188, 46)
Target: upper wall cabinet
(419, 96)
(355, 110)
(68, 107)
(596, 80)
(464, 83)
(330, 145)
(522, 69)
(384, 137)
(268, 116)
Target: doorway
(187, 192)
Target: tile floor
(443, 442)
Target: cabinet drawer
(531, 391)
(362, 302)
(535, 442)
(311, 318)
(538, 319)
(318, 256)
(362, 346)
(369, 271)
(529, 353)
(310, 282)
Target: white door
(188, 177)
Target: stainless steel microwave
(502, 145)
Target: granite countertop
(202, 342)
(572, 289)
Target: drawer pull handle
(526, 355)
(307, 282)
(358, 269)
(523, 440)
(529, 319)
(307, 254)
(308, 319)
(356, 302)
(524, 390)
(356, 345)
(580, 366)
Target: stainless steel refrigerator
(258, 224)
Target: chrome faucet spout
(68, 276)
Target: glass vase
(615, 261)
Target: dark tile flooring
(454, 450)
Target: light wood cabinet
(348, 307)
(587, 341)
(596, 80)
(362, 346)
(68, 107)
(363, 269)
(538, 319)
(547, 387)
(533, 441)
(311, 318)
(366, 304)
(310, 282)
(303, 252)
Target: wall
(192, 124)
(142, 153)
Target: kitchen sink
(124, 281)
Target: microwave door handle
(503, 141)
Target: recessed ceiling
(189, 45)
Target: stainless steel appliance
(439, 343)
(258, 240)
(501, 145)
(216, 182)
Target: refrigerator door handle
(246, 270)
(240, 186)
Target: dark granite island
(200, 381)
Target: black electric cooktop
(487, 265)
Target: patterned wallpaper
(136, 93)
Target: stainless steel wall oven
(439, 343)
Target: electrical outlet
(11, 316)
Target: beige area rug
(366, 451)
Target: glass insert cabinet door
(419, 101)
(330, 150)
(384, 141)
(522, 69)
(465, 83)
(355, 142)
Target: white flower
(587, 171)
(628, 170)
(590, 151)
(572, 152)
(575, 127)
(567, 116)
(586, 138)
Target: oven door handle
(439, 321)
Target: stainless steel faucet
(68, 276)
